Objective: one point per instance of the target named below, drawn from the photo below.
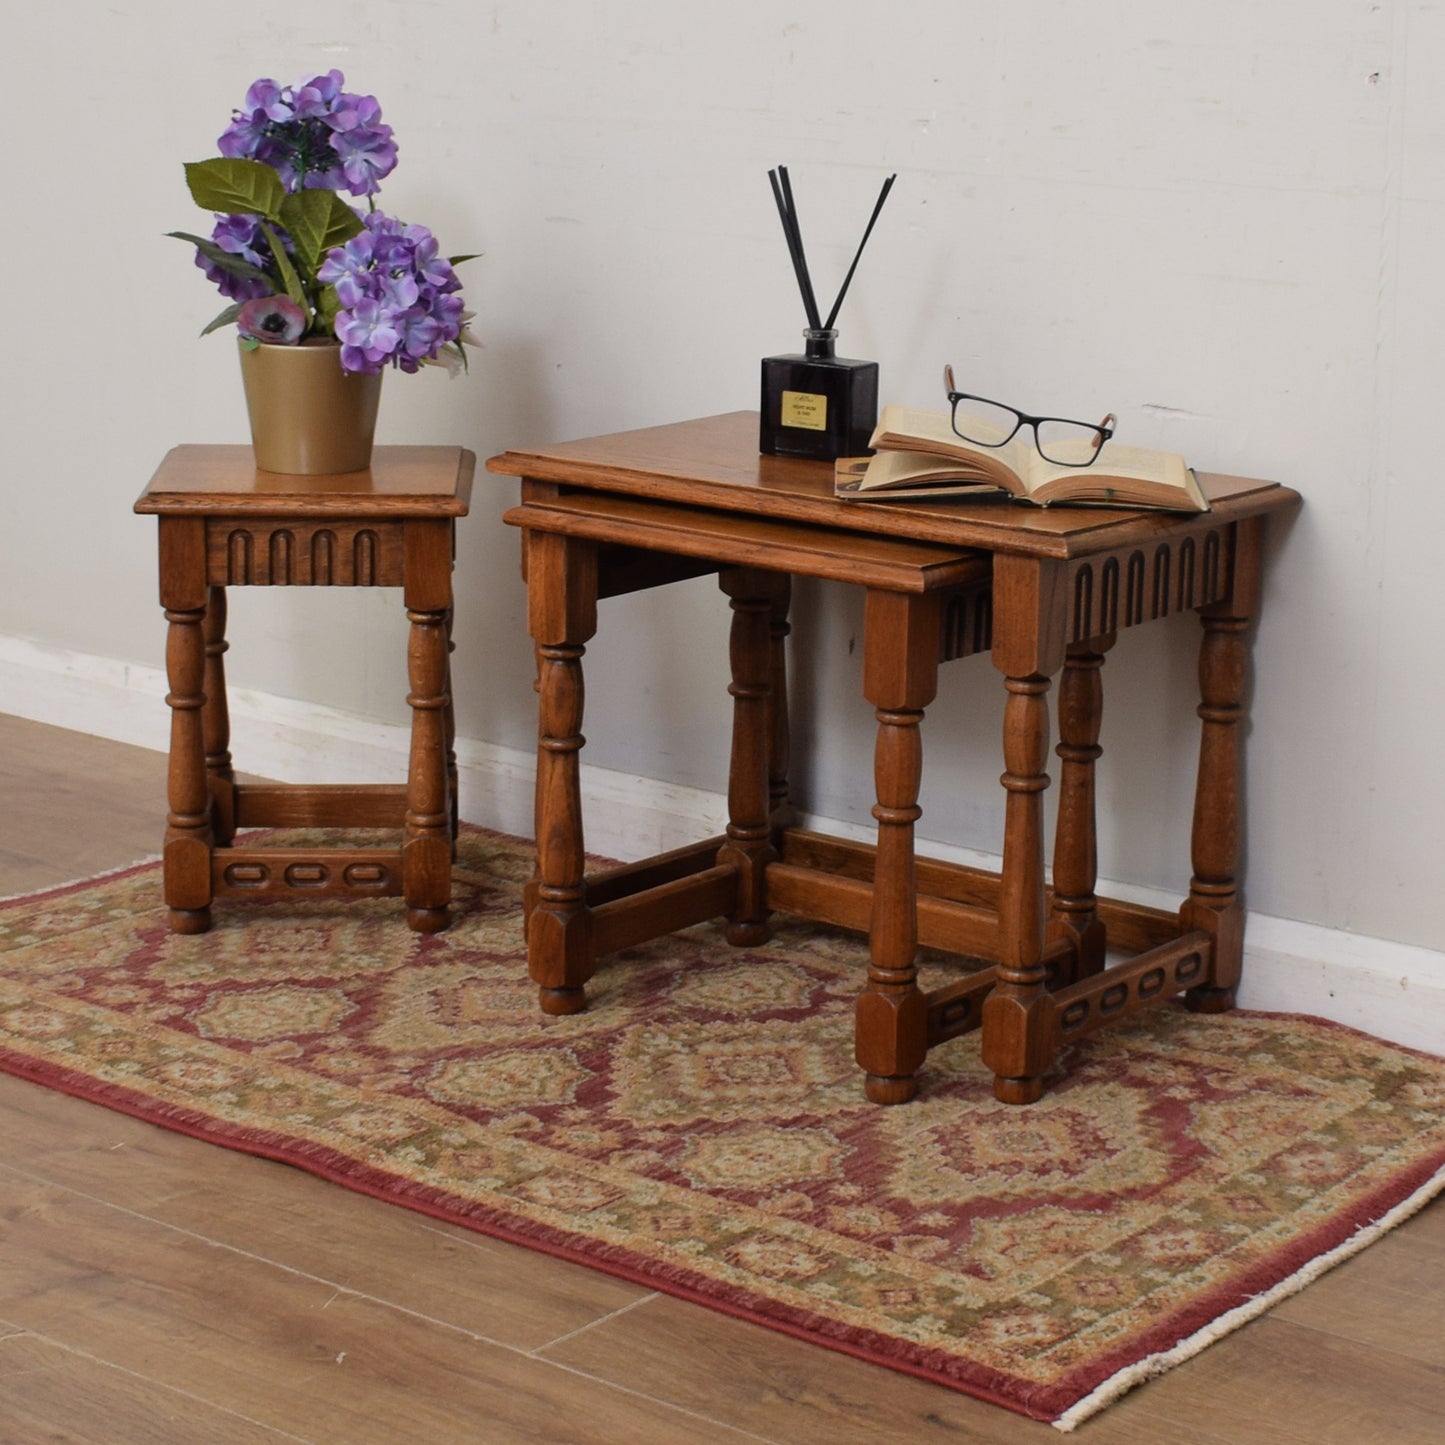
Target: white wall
(1214, 219)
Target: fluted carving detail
(1134, 590)
(304, 554)
(1123, 589)
(281, 550)
(323, 556)
(363, 558)
(967, 624)
(238, 560)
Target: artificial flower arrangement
(298, 262)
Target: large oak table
(1043, 592)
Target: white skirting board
(1395, 991)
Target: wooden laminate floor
(154, 1288)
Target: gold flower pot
(308, 416)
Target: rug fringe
(1156, 1364)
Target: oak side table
(223, 523)
(1042, 592)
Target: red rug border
(1044, 1403)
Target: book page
(1116, 462)
(916, 447)
(903, 474)
(912, 428)
(918, 431)
(1122, 475)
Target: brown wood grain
(413, 481)
(281, 1347)
(755, 541)
(49, 1392)
(273, 1212)
(714, 462)
(780, 1388)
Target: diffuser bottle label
(805, 409)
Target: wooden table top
(714, 462)
(401, 482)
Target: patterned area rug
(702, 1129)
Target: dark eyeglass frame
(1102, 430)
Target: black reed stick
(783, 195)
(847, 280)
(788, 211)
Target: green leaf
(294, 289)
(237, 187)
(316, 221)
(224, 319)
(457, 260)
(194, 240)
(327, 305)
(224, 259)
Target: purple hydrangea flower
(399, 289)
(422, 335)
(312, 98)
(399, 297)
(264, 107)
(275, 319)
(238, 236)
(314, 134)
(366, 156)
(367, 335)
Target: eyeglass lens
(985, 423)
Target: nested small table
(1042, 592)
(225, 524)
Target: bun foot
(880, 1090)
(558, 1001)
(748, 935)
(1207, 1000)
(428, 920)
(1017, 1091)
(190, 920)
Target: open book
(919, 457)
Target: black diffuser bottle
(817, 404)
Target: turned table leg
(188, 840)
(749, 847)
(216, 722)
(778, 727)
(562, 615)
(1015, 1044)
(426, 851)
(1214, 902)
(1028, 648)
(449, 716)
(1074, 914)
(900, 679)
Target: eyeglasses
(991, 424)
